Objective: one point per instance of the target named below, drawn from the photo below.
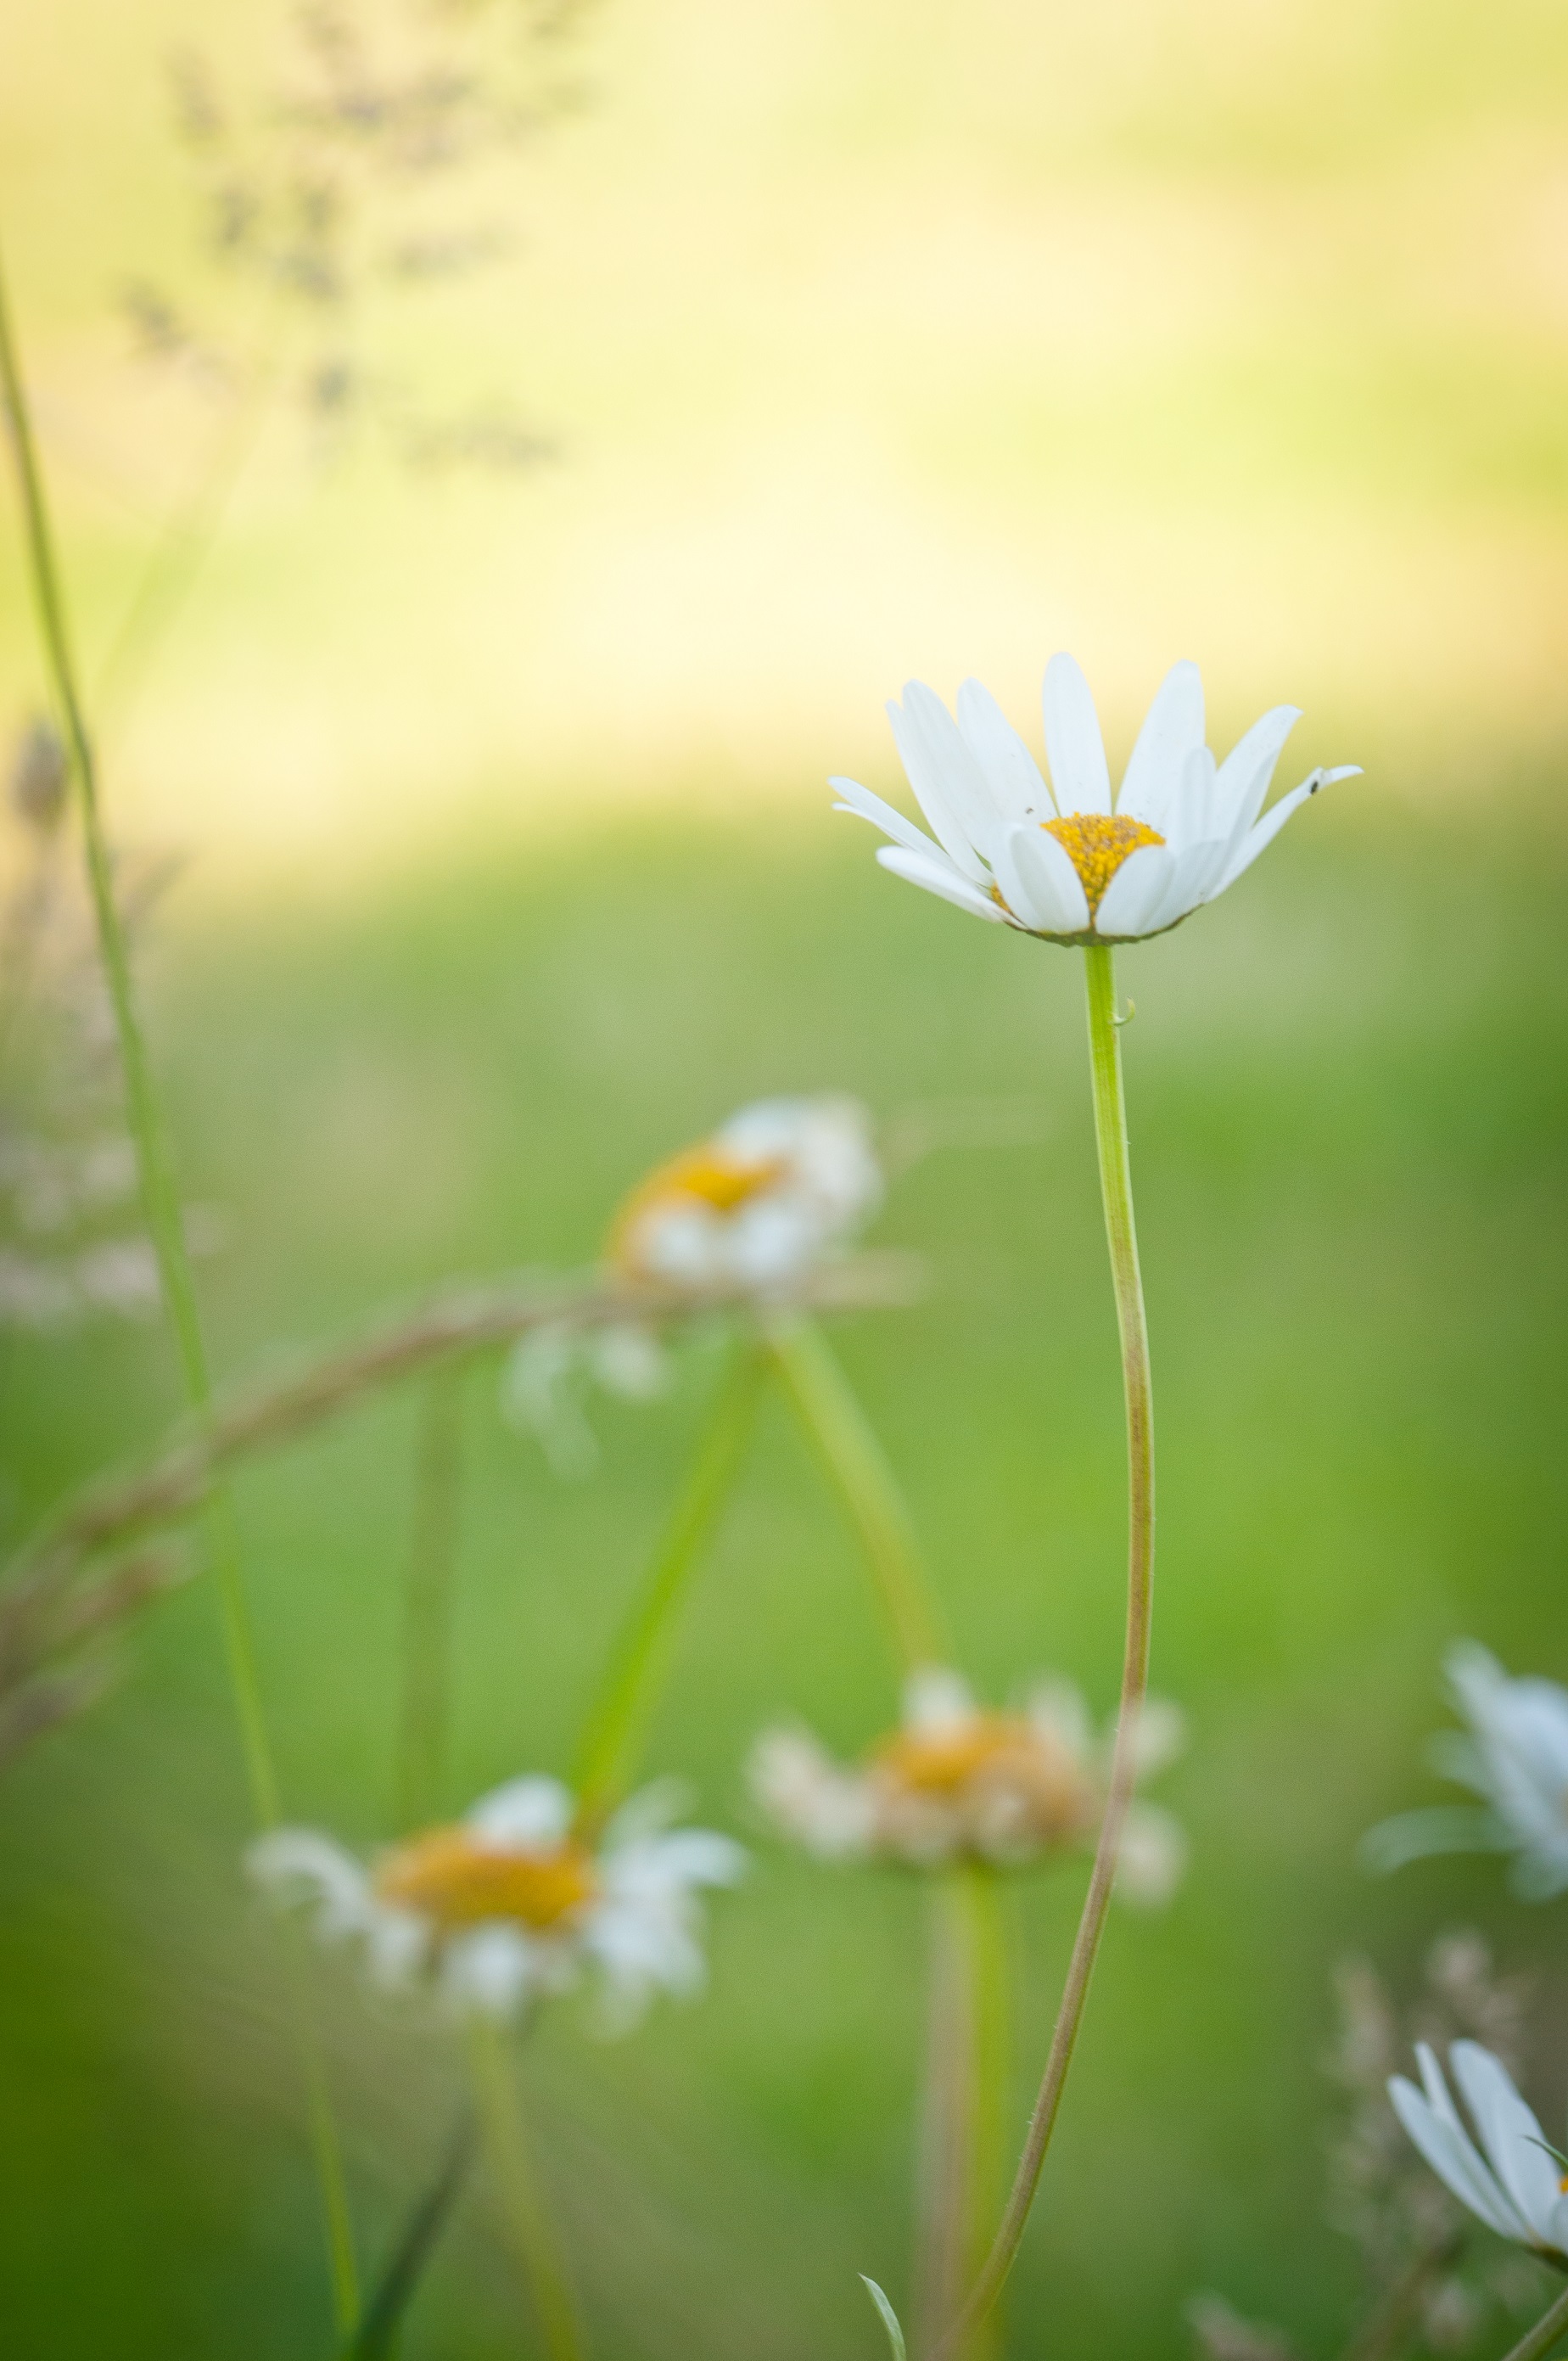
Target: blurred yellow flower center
(450, 1876)
(722, 1181)
(991, 1761)
(1097, 843)
(939, 1761)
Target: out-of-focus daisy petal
(491, 1971)
(300, 1863)
(1510, 2136)
(936, 1698)
(941, 878)
(1153, 1856)
(1173, 729)
(1080, 776)
(524, 1812)
(1454, 2161)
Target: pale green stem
(161, 1204)
(528, 2221)
(859, 1466)
(619, 1715)
(1548, 2332)
(963, 2106)
(429, 1601)
(1116, 1190)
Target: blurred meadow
(863, 343)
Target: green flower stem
(1116, 1190)
(855, 1460)
(429, 1601)
(528, 2221)
(1547, 2333)
(160, 1205)
(964, 2099)
(619, 1717)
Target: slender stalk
(160, 1205)
(859, 1467)
(528, 2221)
(619, 1717)
(1116, 1190)
(964, 2101)
(1547, 2333)
(375, 2337)
(430, 1599)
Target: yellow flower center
(940, 1762)
(1097, 843)
(705, 1175)
(448, 1875)
(989, 1760)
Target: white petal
(1153, 1856)
(1259, 838)
(865, 806)
(525, 1812)
(1509, 2133)
(1048, 881)
(1079, 773)
(396, 1945)
(303, 1864)
(648, 1813)
(1011, 771)
(1247, 769)
(491, 1971)
(936, 1698)
(1190, 815)
(1057, 1707)
(1131, 899)
(1453, 2160)
(1172, 728)
(1160, 1737)
(1192, 881)
(939, 876)
(945, 778)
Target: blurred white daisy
(1515, 1756)
(548, 1374)
(1068, 861)
(509, 1905)
(755, 1205)
(958, 1781)
(1510, 2178)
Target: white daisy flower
(1515, 1756)
(1512, 2180)
(1068, 861)
(509, 1904)
(777, 1186)
(958, 1780)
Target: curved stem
(162, 1210)
(618, 1717)
(528, 2221)
(1116, 1190)
(1546, 2332)
(859, 1467)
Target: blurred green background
(876, 342)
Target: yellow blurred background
(874, 341)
